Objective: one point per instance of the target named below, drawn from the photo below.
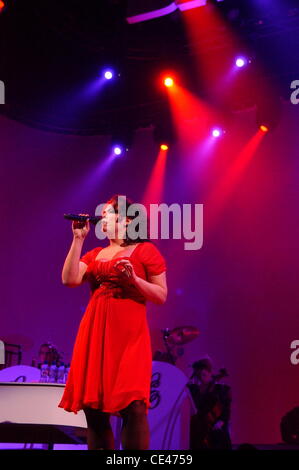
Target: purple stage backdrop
(240, 289)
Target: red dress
(112, 359)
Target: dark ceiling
(53, 51)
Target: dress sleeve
(89, 256)
(152, 260)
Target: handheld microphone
(83, 218)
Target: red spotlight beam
(192, 117)
(154, 190)
(193, 120)
(202, 24)
(232, 177)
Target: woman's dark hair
(121, 204)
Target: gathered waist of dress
(113, 289)
(110, 284)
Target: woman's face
(110, 224)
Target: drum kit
(173, 341)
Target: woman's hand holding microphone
(73, 271)
(80, 229)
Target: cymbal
(182, 334)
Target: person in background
(47, 353)
(209, 428)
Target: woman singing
(112, 360)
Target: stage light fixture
(241, 62)
(217, 132)
(121, 140)
(164, 133)
(168, 82)
(108, 74)
(269, 112)
(164, 147)
(118, 150)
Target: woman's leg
(135, 429)
(99, 432)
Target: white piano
(29, 410)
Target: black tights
(134, 431)
(99, 432)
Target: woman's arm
(73, 269)
(155, 289)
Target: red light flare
(168, 82)
(164, 147)
(220, 196)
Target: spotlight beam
(154, 190)
(225, 187)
